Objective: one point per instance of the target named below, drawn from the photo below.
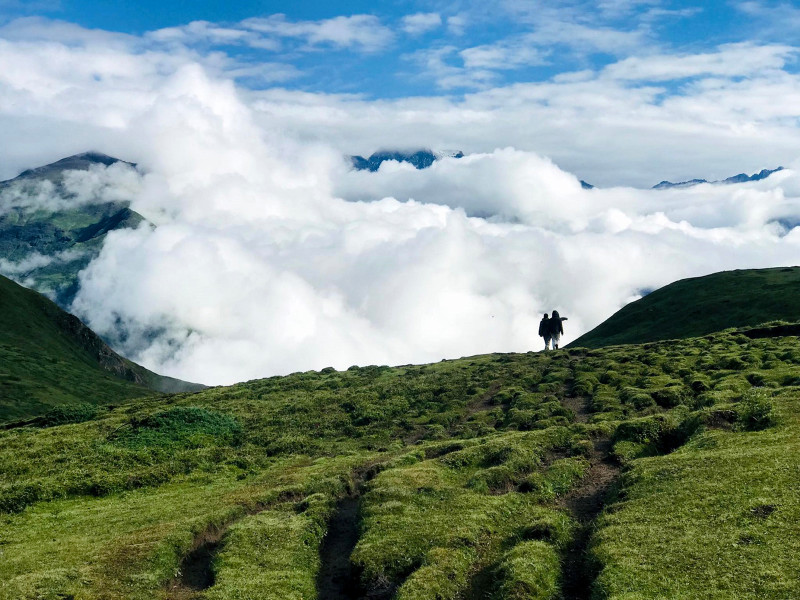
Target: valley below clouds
(266, 253)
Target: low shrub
(756, 379)
(70, 413)
(16, 497)
(755, 411)
(444, 574)
(700, 384)
(556, 480)
(659, 434)
(585, 384)
(183, 426)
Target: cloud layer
(270, 255)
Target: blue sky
(409, 48)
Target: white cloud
(457, 24)
(360, 31)
(271, 256)
(30, 6)
(731, 60)
(605, 131)
(211, 33)
(772, 18)
(419, 23)
(118, 182)
(585, 27)
(448, 68)
(510, 53)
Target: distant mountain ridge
(425, 157)
(740, 178)
(47, 247)
(76, 162)
(421, 159)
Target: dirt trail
(195, 573)
(338, 578)
(585, 503)
(769, 332)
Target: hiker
(556, 328)
(544, 330)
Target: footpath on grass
(585, 502)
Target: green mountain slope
(702, 305)
(46, 242)
(48, 358)
(668, 470)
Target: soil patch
(577, 406)
(585, 503)
(769, 332)
(195, 573)
(484, 403)
(481, 584)
(338, 578)
(587, 500)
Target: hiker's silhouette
(544, 330)
(556, 328)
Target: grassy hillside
(667, 470)
(49, 359)
(702, 305)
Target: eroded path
(196, 573)
(585, 502)
(337, 580)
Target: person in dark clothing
(556, 328)
(544, 331)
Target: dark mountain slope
(46, 243)
(49, 358)
(702, 305)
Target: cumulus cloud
(421, 22)
(270, 255)
(118, 182)
(361, 31)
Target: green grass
(716, 519)
(49, 360)
(473, 460)
(702, 305)
(429, 527)
(42, 366)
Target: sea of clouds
(271, 255)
